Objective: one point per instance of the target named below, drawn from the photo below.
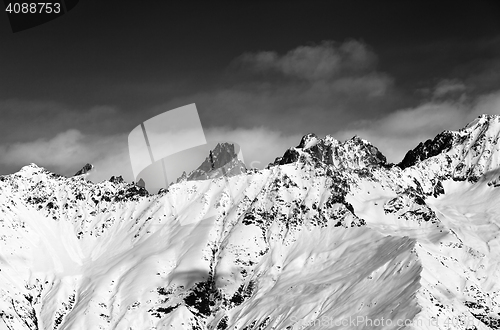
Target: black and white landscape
(350, 177)
(328, 236)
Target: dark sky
(104, 67)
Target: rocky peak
(182, 178)
(363, 152)
(430, 148)
(119, 179)
(85, 169)
(141, 183)
(480, 134)
(223, 158)
(482, 121)
(466, 154)
(31, 168)
(308, 141)
(353, 153)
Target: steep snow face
(329, 236)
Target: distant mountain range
(328, 236)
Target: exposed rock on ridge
(355, 153)
(222, 161)
(85, 169)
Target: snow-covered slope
(328, 236)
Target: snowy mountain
(328, 236)
(222, 161)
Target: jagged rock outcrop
(85, 169)
(355, 153)
(430, 148)
(182, 178)
(141, 183)
(222, 161)
(468, 154)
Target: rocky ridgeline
(254, 217)
(461, 155)
(222, 161)
(352, 154)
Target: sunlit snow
(327, 237)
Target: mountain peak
(243, 253)
(30, 166)
(466, 154)
(222, 160)
(31, 169)
(307, 141)
(353, 153)
(85, 169)
(481, 120)
(441, 143)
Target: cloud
(447, 86)
(63, 148)
(67, 152)
(27, 120)
(317, 62)
(485, 104)
(63, 138)
(314, 88)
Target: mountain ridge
(327, 233)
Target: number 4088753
(33, 8)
